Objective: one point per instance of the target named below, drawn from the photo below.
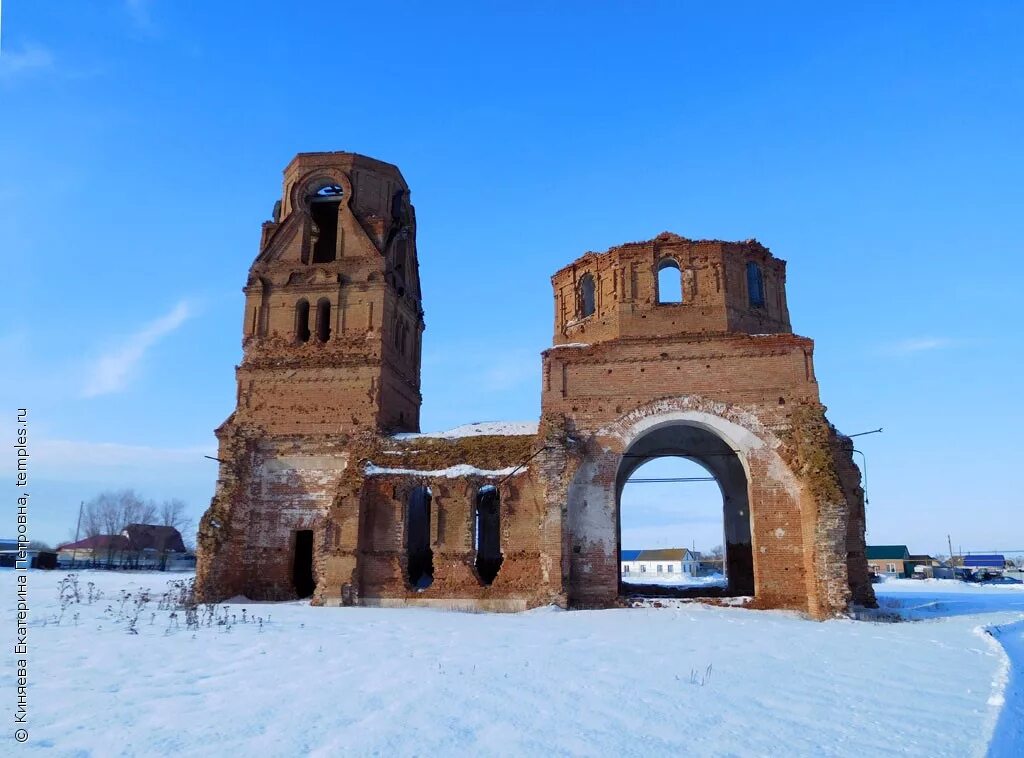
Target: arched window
(586, 305)
(419, 556)
(302, 320)
(323, 207)
(487, 537)
(670, 281)
(323, 319)
(755, 285)
(400, 333)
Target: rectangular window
(670, 568)
(625, 568)
(892, 568)
(659, 568)
(643, 568)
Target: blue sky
(875, 147)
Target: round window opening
(330, 191)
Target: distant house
(667, 562)
(923, 566)
(105, 549)
(9, 554)
(153, 545)
(891, 560)
(137, 546)
(985, 562)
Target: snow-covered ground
(675, 580)
(684, 678)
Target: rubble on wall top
(664, 237)
(477, 429)
(452, 472)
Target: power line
(678, 454)
(672, 479)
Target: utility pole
(950, 541)
(78, 530)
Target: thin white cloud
(139, 11)
(15, 63)
(112, 371)
(919, 345)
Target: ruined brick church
(327, 490)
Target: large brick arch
(781, 514)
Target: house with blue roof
(985, 561)
(664, 564)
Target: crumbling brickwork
(322, 451)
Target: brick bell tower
(331, 352)
(333, 316)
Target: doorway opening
(302, 564)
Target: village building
(668, 346)
(138, 546)
(663, 563)
(889, 560)
(985, 562)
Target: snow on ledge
(569, 344)
(452, 472)
(477, 429)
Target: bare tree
(174, 512)
(110, 512)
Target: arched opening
(419, 556)
(587, 300)
(263, 320)
(399, 258)
(323, 208)
(672, 525)
(487, 535)
(302, 320)
(670, 281)
(755, 285)
(323, 319)
(717, 559)
(302, 564)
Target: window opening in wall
(302, 564)
(302, 320)
(324, 207)
(487, 535)
(323, 319)
(670, 282)
(420, 558)
(587, 299)
(755, 285)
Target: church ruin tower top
(333, 315)
(671, 286)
